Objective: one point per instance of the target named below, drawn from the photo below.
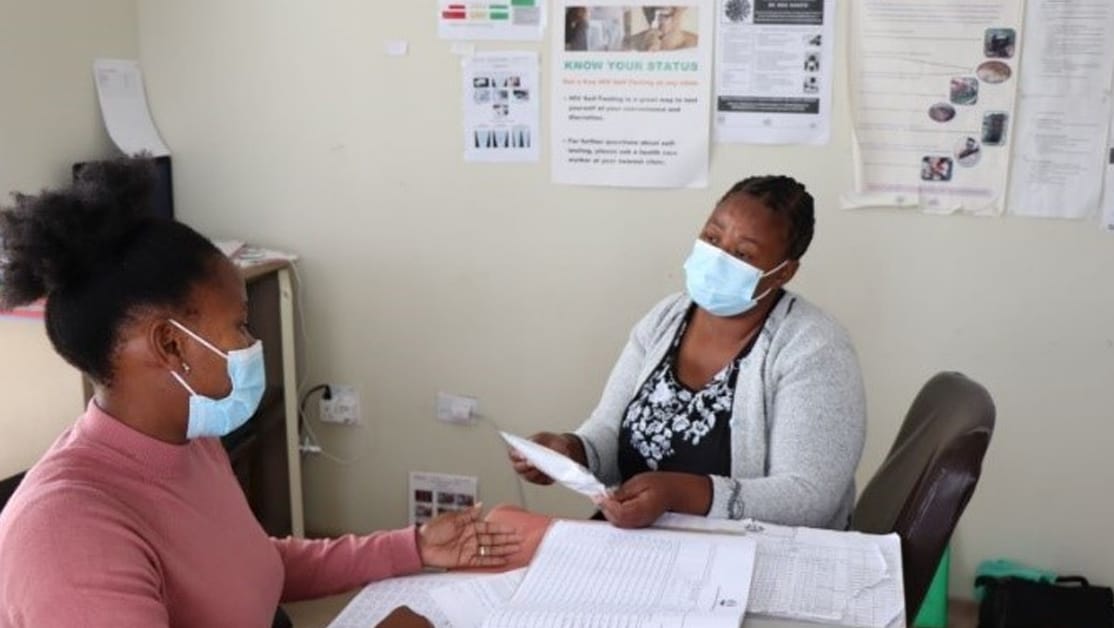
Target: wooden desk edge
(255, 271)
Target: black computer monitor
(162, 203)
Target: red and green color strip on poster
(498, 11)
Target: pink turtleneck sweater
(114, 528)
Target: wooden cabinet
(264, 452)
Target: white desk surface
(318, 614)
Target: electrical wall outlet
(457, 408)
(342, 407)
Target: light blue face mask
(220, 417)
(722, 283)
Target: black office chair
(928, 477)
(8, 486)
(282, 620)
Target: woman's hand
(565, 444)
(645, 497)
(462, 539)
(403, 617)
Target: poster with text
(1063, 109)
(501, 111)
(774, 61)
(631, 94)
(933, 86)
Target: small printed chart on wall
(497, 20)
(434, 493)
(501, 109)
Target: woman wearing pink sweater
(134, 518)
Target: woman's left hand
(638, 502)
(645, 497)
(462, 539)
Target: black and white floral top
(670, 427)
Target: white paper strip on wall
(1063, 109)
(774, 66)
(932, 89)
(631, 87)
(123, 103)
(396, 47)
(501, 110)
(1108, 187)
(463, 48)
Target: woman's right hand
(565, 444)
(403, 617)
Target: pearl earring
(186, 368)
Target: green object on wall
(934, 608)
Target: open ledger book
(591, 574)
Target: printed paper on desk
(563, 470)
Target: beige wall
(48, 120)
(292, 128)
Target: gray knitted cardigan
(798, 421)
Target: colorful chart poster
(502, 20)
(933, 86)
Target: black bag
(1069, 603)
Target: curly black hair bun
(55, 239)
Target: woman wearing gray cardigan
(737, 399)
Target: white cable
(299, 303)
(321, 450)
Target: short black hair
(786, 197)
(99, 256)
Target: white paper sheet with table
(448, 600)
(592, 574)
(588, 573)
(847, 578)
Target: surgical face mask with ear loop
(721, 283)
(220, 417)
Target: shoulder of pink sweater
(47, 516)
(59, 541)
